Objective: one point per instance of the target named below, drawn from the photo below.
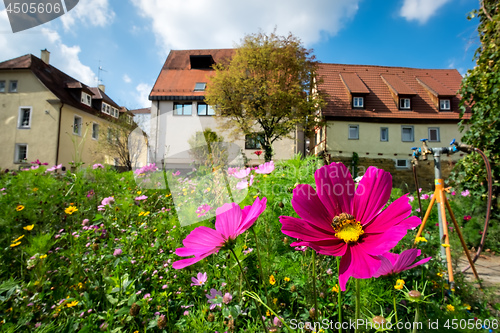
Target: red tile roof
(177, 79)
(141, 111)
(434, 87)
(353, 83)
(379, 103)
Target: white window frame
(95, 131)
(398, 163)
(403, 127)
(78, 128)
(11, 89)
(403, 105)
(2, 86)
(86, 99)
(209, 109)
(356, 100)
(21, 117)
(445, 104)
(17, 158)
(356, 127)
(182, 109)
(200, 86)
(114, 112)
(387, 134)
(103, 108)
(438, 136)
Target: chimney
(102, 87)
(45, 56)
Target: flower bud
(414, 295)
(210, 317)
(293, 288)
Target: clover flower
(339, 219)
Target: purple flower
(200, 279)
(214, 298)
(117, 252)
(244, 183)
(203, 210)
(424, 196)
(392, 263)
(242, 173)
(227, 298)
(465, 193)
(265, 168)
(141, 197)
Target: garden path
(488, 268)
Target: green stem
(339, 297)
(250, 288)
(395, 309)
(314, 284)
(416, 320)
(358, 303)
(261, 268)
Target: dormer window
(86, 99)
(200, 86)
(404, 103)
(444, 105)
(358, 102)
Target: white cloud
(126, 78)
(421, 10)
(142, 94)
(70, 64)
(221, 23)
(93, 12)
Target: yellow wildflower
(15, 244)
(139, 192)
(71, 304)
(335, 288)
(287, 279)
(166, 196)
(399, 284)
(18, 239)
(141, 213)
(29, 227)
(154, 230)
(268, 313)
(440, 274)
(208, 189)
(275, 300)
(272, 280)
(35, 189)
(445, 245)
(146, 213)
(70, 210)
(450, 308)
(420, 239)
(467, 306)
(19, 208)
(43, 256)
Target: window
(358, 102)
(404, 103)
(444, 105)
(384, 134)
(434, 134)
(24, 117)
(205, 110)
(402, 164)
(21, 152)
(105, 108)
(114, 112)
(353, 132)
(77, 125)
(110, 135)
(252, 141)
(86, 99)
(95, 131)
(13, 86)
(2, 86)
(200, 86)
(407, 133)
(182, 109)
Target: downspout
(157, 149)
(59, 133)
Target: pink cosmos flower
(411, 198)
(107, 201)
(243, 173)
(141, 197)
(177, 173)
(392, 263)
(97, 166)
(203, 210)
(424, 196)
(230, 222)
(340, 220)
(265, 168)
(54, 168)
(214, 298)
(200, 279)
(117, 252)
(231, 171)
(465, 193)
(245, 183)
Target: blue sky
(130, 39)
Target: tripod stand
(440, 199)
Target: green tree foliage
(267, 87)
(480, 93)
(208, 149)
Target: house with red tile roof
(178, 109)
(378, 113)
(49, 116)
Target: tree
(208, 149)
(480, 93)
(268, 86)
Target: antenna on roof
(100, 69)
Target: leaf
(111, 299)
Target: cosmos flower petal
(186, 262)
(307, 205)
(302, 229)
(250, 214)
(386, 267)
(420, 262)
(335, 188)
(329, 247)
(358, 264)
(228, 219)
(405, 259)
(372, 193)
(392, 215)
(383, 242)
(243, 173)
(202, 237)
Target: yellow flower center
(347, 228)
